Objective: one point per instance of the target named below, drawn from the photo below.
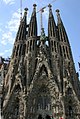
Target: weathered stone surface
(41, 80)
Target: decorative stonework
(41, 81)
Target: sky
(10, 19)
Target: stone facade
(41, 81)
(3, 71)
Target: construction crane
(20, 10)
(41, 11)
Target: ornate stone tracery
(41, 81)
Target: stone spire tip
(34, 7)
(25, 11)
(57, 11)
(58, 16)
(49, 5)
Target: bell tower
(41, 81)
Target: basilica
(41, 81)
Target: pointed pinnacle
(25, 11)
(57, 11)
(50, 10)
(58, 16)
(34, 6)
(49, 6)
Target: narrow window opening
(33, 44)
(70, 111)
(60, 51)
(47, 43)
(69, 91)
(17, 50)
(20, 49)
(55, 45)
(24, 48)
(67, 52)
(30, 45)
(14, 51)
(64, 51)
(52, 45)
(37, 42)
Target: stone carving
(42, 77)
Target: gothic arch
(39, 98)
(39, 66)
(13, 106)
(45, 90)
(71, 103)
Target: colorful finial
(50, 6)
(57, 11)
(25, 11)
(58, 16)
(34, 5)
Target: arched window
(43, 99)
(52, 45)
(43, 103)
(30, 45)
(69, 91)
(60, 51)
(23, 49)
(64, 51)
(14, 51)
(55, 45)
(33, 44)
(70, 111)
(36, 63)
(50, 29)
(27, 46)
(47, 43)
(60, 35)
(70, 102)
(43, 68)
(17, 50)
(16, 107)
(20, 49)
(67, 52)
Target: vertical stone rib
(51, 24)
(63, 36)
(33, 23)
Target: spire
(21, 34)
(58, 17)
(51, 23)
(65, 49)
(62, 32)
(33, 23)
